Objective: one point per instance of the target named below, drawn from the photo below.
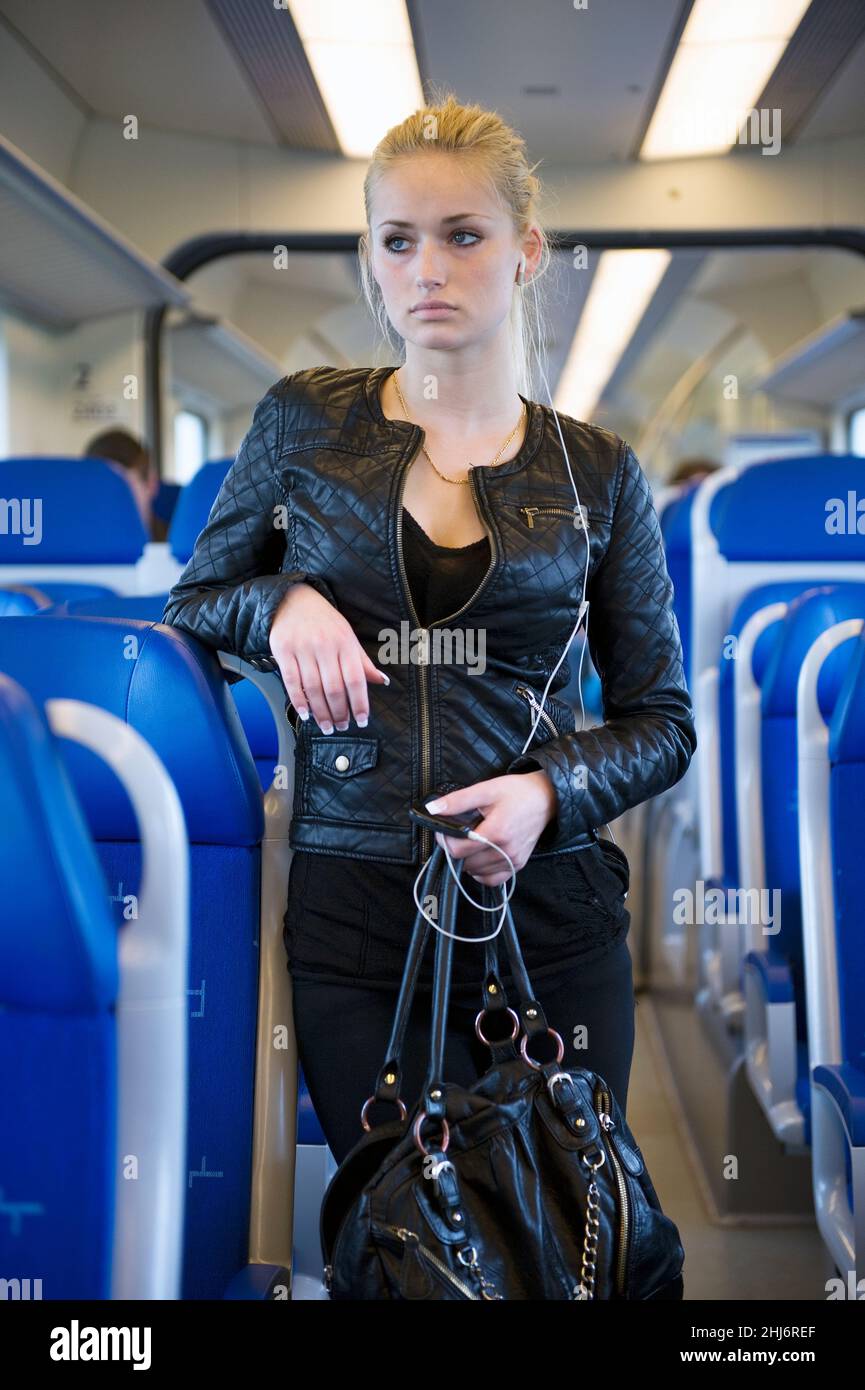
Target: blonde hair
(497, 153)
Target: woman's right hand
(323, 665)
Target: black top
(441, 577)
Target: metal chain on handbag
(586, 1287)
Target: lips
(430, 304)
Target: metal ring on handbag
(367, 1103)
(446, 1134)
(537, 1065)
(468, 1257)
(496, 1042)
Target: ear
(532, 248)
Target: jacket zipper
(608, 1124)
(411, 1238)
(424, 678)
(530, 696)
(579, 518)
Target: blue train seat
(193, 507)
(832, 790)
(753, 633)
(675, 523)
(171, 691)
(58, 993)
(773, 967)
(255, 715)
(75, 519)
(734, 551)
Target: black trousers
(346, 928)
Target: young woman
(368, 505)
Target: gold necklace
(464, 480)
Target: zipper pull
(531, 513)
(607, 1121)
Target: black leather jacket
(315, 495)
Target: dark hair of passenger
(692, 468)
(120, 447)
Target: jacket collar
(403, 428)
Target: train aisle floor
(722, 1261)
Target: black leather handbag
(527, 1185)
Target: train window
(190, 444)
(856, 431)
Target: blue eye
(461, 231)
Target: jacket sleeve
(228, 594)
(648, 736)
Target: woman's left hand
(516, 809)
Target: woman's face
(438, 235)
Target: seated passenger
(119, 447)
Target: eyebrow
(457, 217)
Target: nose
(429, 270)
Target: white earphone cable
(583, 516)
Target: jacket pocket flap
(343, 756)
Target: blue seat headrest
(69, 511)
(194, 506)
(809, 615)
(763, 596)
(847, 730)
(805, 497)
(58, 943)
(676, 522)
(166, 686)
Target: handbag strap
(493, 995)
(531, 1014)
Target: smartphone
(458, 825)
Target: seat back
(69, 519)
(734, 551)
(846, 800)
(811, 613)
(171, 691)
(194, 506)
(811, 534)
(255, 715)
(58, 1047)
(676, 533)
